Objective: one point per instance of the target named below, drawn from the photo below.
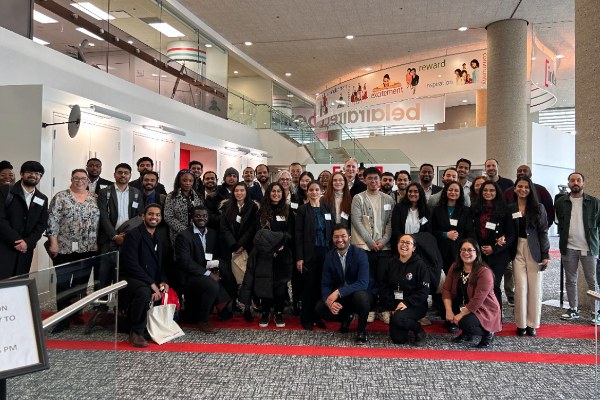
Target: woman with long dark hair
(494, 231)
(179, 203)
(314, 224)
(412, 214)
(475, 186)
(301, 191)
(530, 256)
(469, 298)
(338, 197)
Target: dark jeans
(470, 325)
(311, 277)
(357, 303)
(377, 259)
(134, 299)
(498, 270)
(404, 321)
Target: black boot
(486, 340)
(463, 337)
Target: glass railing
(90, 335)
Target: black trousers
(377, 259)
(470, 325)
(357, 303)
(201, 293)
(71, 279)
(311, 279)
(498, 270)
(134, 299)
(405, 321)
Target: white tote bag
(160, 324)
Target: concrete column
(587, 92)
(481, 108)
(508, 94)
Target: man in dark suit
(94, 169)
(345, 285)
(141, 267)
(23, 220)
(202, 282)
(426, 173)
(350, 171)
(144, 165)
(262, 176)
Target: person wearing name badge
(179, 203)
(338, 197)
(93, 168)
(314, 222)
(72, 235)
(274, 214)
(301, 191)
(404, 291)
(475, 186)
(411, 215)
(494, 231)
(530, 256)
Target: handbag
(160, 324)
(238, 265)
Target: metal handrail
(73, 308)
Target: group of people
(332, 248)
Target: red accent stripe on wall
(184, 158)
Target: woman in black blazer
(451, 222)
(238, 224)
(494, 231)
(411, 215)
(314, 223)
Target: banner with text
(432, 77)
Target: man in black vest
(23, 220)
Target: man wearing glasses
(23, 220)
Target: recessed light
(166, 29)
(86, 32)
(235, 72)
(208, 45)
(465, 101)
(368, 69)
(533, 58)
(155, 75)
(349, 36)
(463, 28)
(248, 43)
(43, 19)
(288, 74)
(290, 95)
(439, 76)
(91, 44)
(560, 56)
(316, 94)
(92, 11)
(40, 41)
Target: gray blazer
(362, 207)
(537, 236)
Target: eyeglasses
(284, 179)
(33, 173)
(76, 179)
(122, 173)
(405, 242)
(468, 250)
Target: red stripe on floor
(323, 351)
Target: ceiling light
(316, 94)
(349, 37)
(463, 28)
(92, 11)
(155, 75)
(248, 43)
(40, 41)
(290, 95)
(439, 76)
(130, 41)
(288, 74)
(91, 44)
(235, 72)
(86, 32)
(166, 29)
(465, 101)
(532, 58)
(208, 45)
(43, 19)
(368, 69)
(560, 56)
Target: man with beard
(387, 183)
(94, 169)
(197, 167)
(257, 192)
(144, 165)
(463, 167)
(450, 175)
(223, 192)
(354, 184)
(23, 219)
(543, 195)
(141, 267)
(491, 170)
(402, 179)
(209, 181)
(149, 182)
(578, 216)
(426, 178)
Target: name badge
(490, 225)
(344, 215)
(294, 205)
(208, 256)
(280, 218)
(453, 222)
(75, 246)
(462, 307)
(398, 295)
(517, 214)
(103, 186)
(423, 221)
(238, 219)
(387, 207)
(156, 247)
(38, 201)
(135, 204)
(327, 217)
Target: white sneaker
(371, 316)
(385, 317)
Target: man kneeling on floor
(345, 285)
(141, 267)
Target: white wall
(216, 66)
(282, 151)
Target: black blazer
(255, 192)
(17, 222)
(160, 188)
(190, 258)
(399, 215)
(504, 227)
(240, 234)
(436, 189)
(101, 182)
(109, 211)
(306, 230)
(358, 187)
(141, 256)
(440, 223)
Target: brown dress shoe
(206, 327)
(137, 340)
